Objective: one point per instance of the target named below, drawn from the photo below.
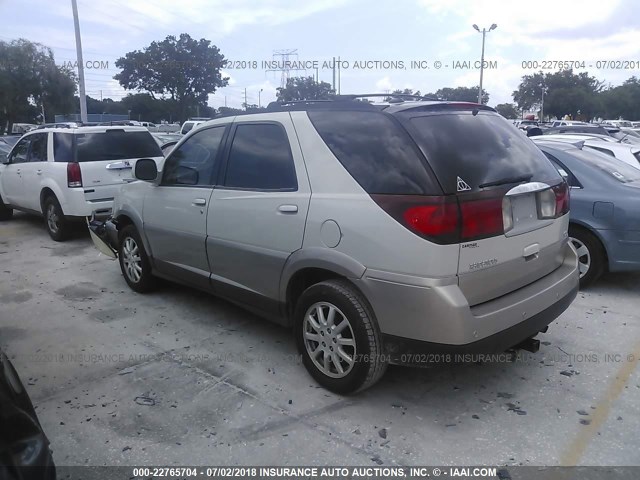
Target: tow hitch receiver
(530, 345)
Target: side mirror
(146, 169)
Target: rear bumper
(79, 204)
(405, 351)
(438, 315)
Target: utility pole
(339, 76)
(484, 34)
(259, 100)
(83, 97)
(100, 95)
(245, 98)
(542, 104)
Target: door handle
(288, 208)
(199, 202)
(39, 172)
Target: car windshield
(615, 168)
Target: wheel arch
(595, 233)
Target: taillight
(481, 218)
(435, 218)
(74, 175)
(562, 198)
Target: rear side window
(115, 145)
(378, 153)
(63, 147)
(260, 159)
(469, 151)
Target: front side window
(260, 159)
(20, 151)
(38, 151)
(194, 162)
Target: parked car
(378, 232)
(67, 174)
(24, 448)
(563, 123)
(4, 151)
(628, 154)
(619, 123)
(577, 129)
(189, 124)
(605, 208)
(166, 141)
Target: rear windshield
(467, 151)
(115, 145)
(614, 167)
(376, 151)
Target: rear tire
(591, 255)
(134, 262)
(57, 226)
(5, 212)
(342, 357)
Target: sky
(363, 34)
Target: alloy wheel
(584, 256)
(329, 339)
(53, 220)
(131, 259)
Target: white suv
(69, 173)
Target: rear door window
(115, 145)
(470, 149)
(260, 159)
(38, 150)
(376, 151)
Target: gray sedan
(605, 208)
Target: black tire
(5, 212)
(56, 224)
(143, 281)
(369, 363)
(593, 250)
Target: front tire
(134, 261)
(591, 255)
(57, 226)
(338, 337)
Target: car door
(175, 211)
(257, 214)
(33, 170)
(11, 178)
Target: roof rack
(348, 100)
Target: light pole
(259, 101)
(484, 32)
(542, 104)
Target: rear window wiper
(504, 181)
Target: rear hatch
(107, 156)
(510, 198)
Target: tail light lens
(74, 175)
(442, 220)
(435, 218)
(562, 198)
(481, 218)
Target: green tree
(304, 88)
(30, 81)
(565, 93)
(182, 69)
(507, 110)
(461, 94)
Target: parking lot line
(577, 448)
